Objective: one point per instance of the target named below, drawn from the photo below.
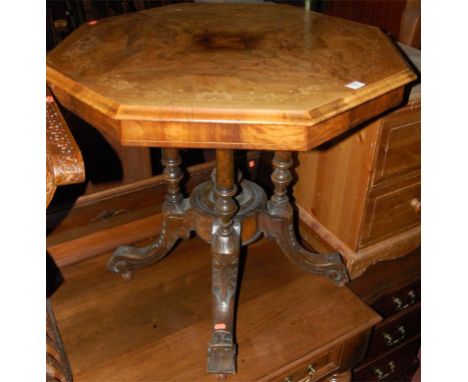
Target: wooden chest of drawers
(360, 194)
(393, 290)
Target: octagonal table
(227, 77)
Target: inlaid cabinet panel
(400, 145)
(391, 211)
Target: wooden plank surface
(156, 327)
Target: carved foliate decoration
(64, 161)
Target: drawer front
(395, 331)
(399, 301)
(399, 146)
(390, 211)
(313, 369)
(396, 366)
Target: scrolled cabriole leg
(225, 263)
(277, 223)
(177, 224)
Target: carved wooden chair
(64, 166)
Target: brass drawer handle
(399, 304)
(311, 370)
(381, 375)
(416, 204)
(393, 341)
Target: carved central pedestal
(227, 216)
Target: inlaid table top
(238, 76)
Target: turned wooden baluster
(281, 178)
(177, 224)
(278, 224)
(172, 175)
(225, 262)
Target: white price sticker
(355, 85)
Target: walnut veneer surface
(273, 77)
(287, 319)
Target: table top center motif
(268, 66)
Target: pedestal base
(226, 220)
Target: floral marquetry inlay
(251, 71)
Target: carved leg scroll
(225, 262)
(277, 223)
(177, 224)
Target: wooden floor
(157, 326)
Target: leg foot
(221, 356)
(127, 276)
(177, 224)
(127, 258)
(282, 230)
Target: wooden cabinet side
(333, 182)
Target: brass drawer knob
(416, 204)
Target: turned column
(281, 178)
(172, 175)
(225, 263)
